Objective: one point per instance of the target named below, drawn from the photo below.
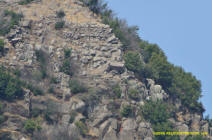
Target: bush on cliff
(1, 46)
(8, 21)
(10, 88)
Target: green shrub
(24, 2)
(67, 53)
(2, 119)
(72, 116)
(41, 58)
(187, 88)
(30, 126)
(35, 90)
(10, 88)
(66, 67)
(17, 72)
(148, 50)
(156, 112)
(54, 80)
(133, 94)
(161, 70)
(82, 128)
(165, 127)
(133, 61)
(1, 46)
(126, 110)
(51, 90)
(8, 21)
(116, 89)
(1, 108)
(59, 25)
(76, 87)
(60, 14)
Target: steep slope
(86, 92)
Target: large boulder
(119, 67)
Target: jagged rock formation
(98, 63)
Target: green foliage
(82, 128)
(2, 119)
(10, 88)
(116, 89)
(60, 14)
(156, 112)
(1, 46)
(40, 55)
(164, 127)
(30, 126)
(76, 87)
(161, 70)
(133, 94)
(51, 90)
(66, 66)
(187, 88)
(67, 53)
(149, 49)
(8, 21)
(126, 110)
(1, 108)
(17, 72)
(53, 80)
(59, 25)
(72, 116)
(199, 137)
(24, 2)
(133, 61)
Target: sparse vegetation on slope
(1, 46)
(8, 20)
(23, 2)
(10, 87)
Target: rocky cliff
(96, 111)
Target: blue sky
(182, 28)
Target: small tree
(126, 110)
(133, 61)
(134, 94)
(1, 46)
(59, 25)
(116, 90)
(30, 126)
(82, 128)
(60, 14)
(76, 87)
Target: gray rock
(119, 67)
(78, 105)
(27, 23)
(112, 40)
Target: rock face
(98, 65)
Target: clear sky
(182, 28)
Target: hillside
(72, 71)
